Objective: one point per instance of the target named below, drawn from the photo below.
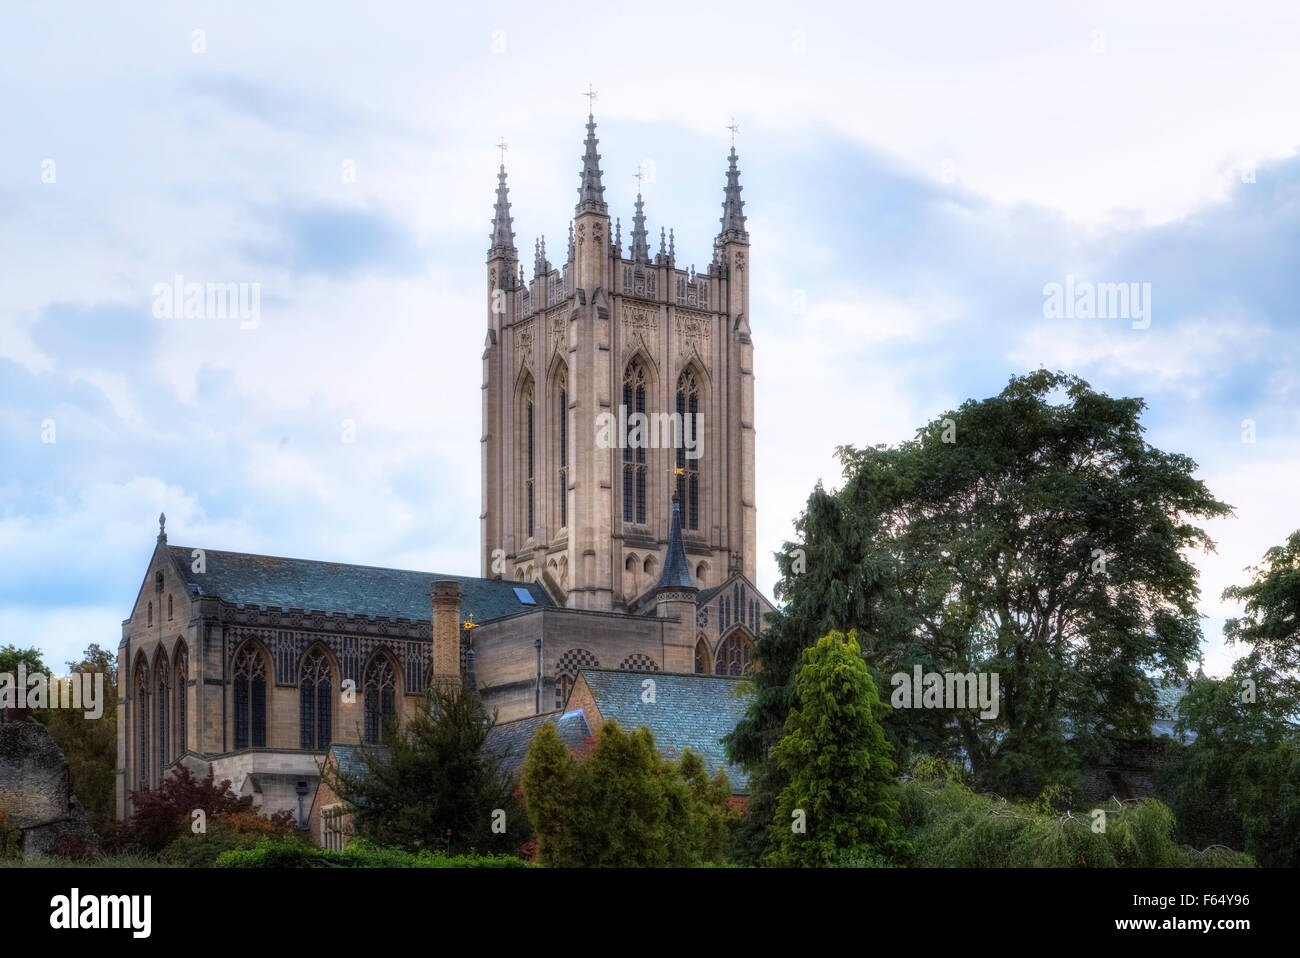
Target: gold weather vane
(470, 623)
(734, 130)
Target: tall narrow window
(142, 725)
(381, 698)
(151, 613)
(162, 694)
(563, 490)
(315, 695)
(634, 459)
(169, 608)
(688, 474)
(530, 465)
(250, 698)
(182, 705)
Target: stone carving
(555, 323)
(641, 325)
(693, 330)
(524, 345)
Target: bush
(228, 831)
(291, 853)
(952, 826)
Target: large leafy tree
(1035, 534)
(841, 798)
(434, 775)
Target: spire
(591, 194)
(540, 266)
(640, 248)
(618, 236)
(733, 207)
(662, 256)
(672, 249)
(503, 235)
(677, 570)
(570, 258)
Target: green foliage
(624, 805)
(433, 775)
(228, 831)
(840, 774)
(1239, 783)
(953, 827)
(980, 554)
(290, 853)
(90, 745)
(11, 656)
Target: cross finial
(503, 146)
(734, 130)
(639, 177)
(591, 98)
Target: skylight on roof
(524, 596)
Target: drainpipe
(537, 694)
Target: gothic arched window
(250, 697)
(315, 697)
(701, 657)
(563, 473)
(531, 463)
(381, 697)
(142, 724)
(182, 705)
(688, 476)
(162, 693)
(734, 655)
(634, 459)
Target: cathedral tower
(611, 384)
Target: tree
(1035, 535)
(841, 797)
(1240, 782)
(164, 813)
(11, 657)
(624, 805)
(89, 744)
(433, 777)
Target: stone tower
(611, 382)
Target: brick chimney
(446, 631)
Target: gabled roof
(509, 741)
(265, 581)
(689, 711)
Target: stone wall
(36, 792)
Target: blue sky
(913, 178)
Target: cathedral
(618, 537)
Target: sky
(914, 178)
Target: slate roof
(689, 711)
(348, 758)
(510, 740)
(330, 587)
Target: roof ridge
(350, 565)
